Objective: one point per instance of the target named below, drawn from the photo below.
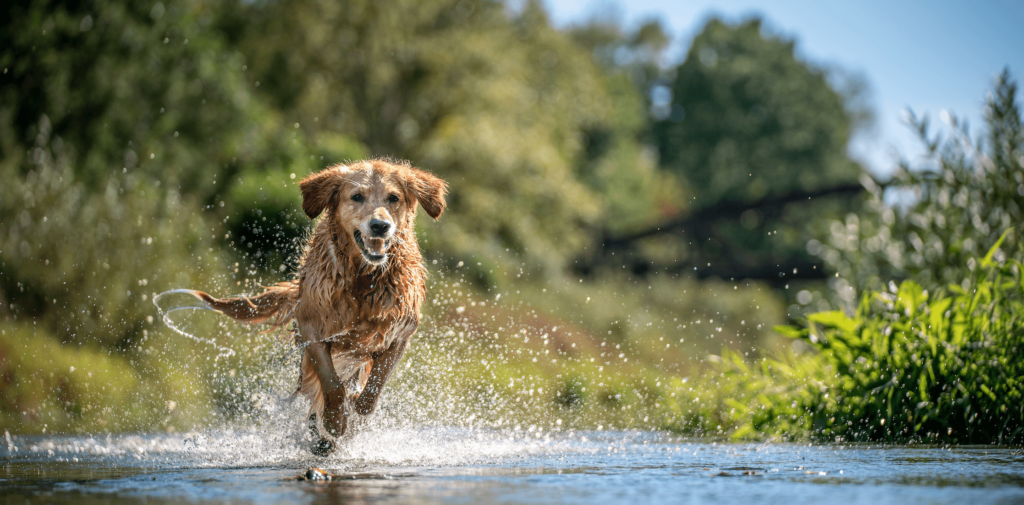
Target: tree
(619, 161)
(494, 103)
(748, 119)
(128, 86)
(753, 134)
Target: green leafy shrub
(937, 368)
(48, 387)
(732, 398)
(909, 366)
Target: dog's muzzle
(376, 251)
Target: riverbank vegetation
(630, 243)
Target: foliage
(623, 170)
(48, 385)
(955, 203)
(923, 361)
(748, 119)
(132, 85)
(497, 102)
(732, 397)
(909, 366)
(52, 388)
(742, 120)
(80, 348)
(544, 358)
(83, 262)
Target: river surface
(439, 465)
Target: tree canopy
(748, 118)
(492, 103)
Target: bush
(81, 345)
(909, 366)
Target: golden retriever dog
(361, 282)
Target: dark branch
(727, 263)
(769, 205)
(774, 273)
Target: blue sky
(929, 56)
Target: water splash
(165, 314)
(277, 447)
(482, 387)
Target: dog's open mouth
(373, 249)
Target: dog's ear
(320, 190)
(429, 190)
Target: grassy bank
(696, 358)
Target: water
(442, 465)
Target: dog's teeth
(375, 245)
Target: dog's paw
(323, 447)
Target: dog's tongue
(374, 245)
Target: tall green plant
(909, 366)
(966, 192)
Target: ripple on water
(439, 464)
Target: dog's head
(372, 201)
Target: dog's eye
(393, 198)
(358, 197)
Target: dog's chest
(369, 316)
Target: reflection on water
(469, 466)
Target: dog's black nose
(379, 227)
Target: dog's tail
(276, 302)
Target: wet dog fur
(361, 282)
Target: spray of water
(195, 305)
(485, 377)
(438, 409)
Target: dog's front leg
(382, 368)
(335, 417)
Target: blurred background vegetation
(623, 234)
